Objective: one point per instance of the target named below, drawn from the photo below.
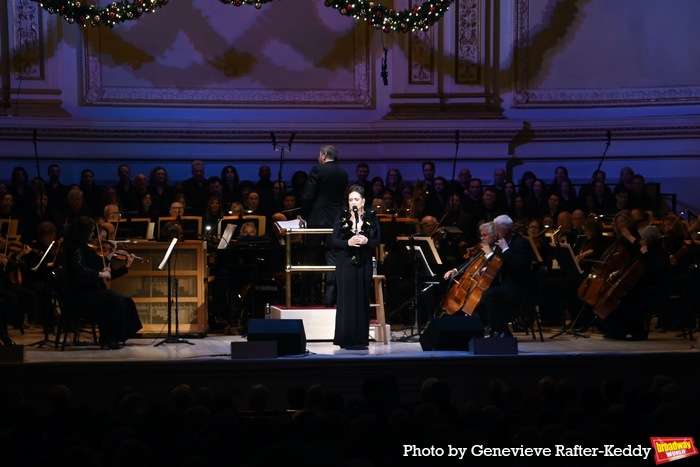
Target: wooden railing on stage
(289, 268)
(148, 286)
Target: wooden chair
(73, 319)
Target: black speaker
(451, 333)
(288, 333)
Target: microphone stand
(281, 148)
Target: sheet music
(293, 224)
(226, 237)
(424, 260)
(535, 251)
(567, 255)
(162, 264)
(426, 242)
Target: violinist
(21, 301)
(86, 272)
(38, 274)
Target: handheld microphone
(357, 217)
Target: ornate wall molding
(385, 133)
(357, 96)
(28, 54)
(421, 56)
(525, 96)
(468, 42)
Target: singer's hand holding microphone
(357, 239)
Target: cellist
(512, 281)
(471, 269)
(628, 320)
(487, 233)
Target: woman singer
(355, 235)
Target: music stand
(568, 264)
(566, 258)
(170, 339)
(425, 260)
(47, 318)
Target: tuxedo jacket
(325, 194)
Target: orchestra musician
(21, 302)
(629, 318)
(38, 274)
(510, 285)
(86, 287)
(487, 233)
(559, 288)
(4, 336)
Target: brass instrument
(420, 196)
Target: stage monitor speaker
(288, 333)
(451, 333)
(13, 354)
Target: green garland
(374, 13)
(387, 19)
(117, 12)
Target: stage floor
(95, 375)
(403, 346)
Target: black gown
(354, 279)
(118, 318)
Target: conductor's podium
(319, 323)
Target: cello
(596, 282)
(619, 283)
(457, 296)
(485, 278)
(619, 254)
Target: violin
(107, 248)
(12, 246)
(123, 255)
(11, 251)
